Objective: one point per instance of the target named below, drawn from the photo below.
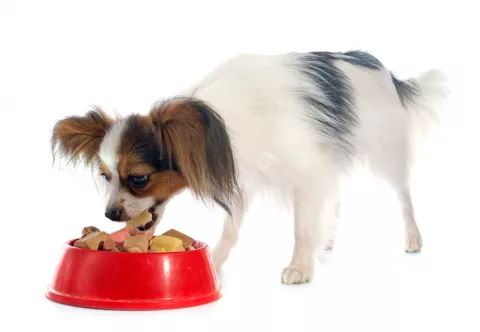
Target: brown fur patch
(182, 133)
(141, 169)
(161, 185)
(79, 138)
(196, 139)
(131, 164)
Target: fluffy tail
(424, 98)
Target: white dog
(293, 122)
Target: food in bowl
(169, 243)
(136, 243)
(92, 241)
(139, 222)
(124, 240)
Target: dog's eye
(105, 176)
(138, 181)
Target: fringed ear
(79, 138)
(197, 141)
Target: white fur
(110, 146)
(276, 148)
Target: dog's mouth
(151, 223)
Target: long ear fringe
(77, 138)
(197, 139)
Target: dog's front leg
(314, 214)
(229, 235)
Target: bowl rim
(200, 247)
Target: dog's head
(147, 159)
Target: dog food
(127, 241)
(140, 220)
(89, 230)
(157, 250)
(92, 241)
(110, 245)
(169, 243)
(187, 240)
(137, 243)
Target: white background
(60, 57)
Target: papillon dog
(293, 123)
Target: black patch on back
(362, 59)
(143, 141)
(355, 57)
(333, 115)
(407, 90)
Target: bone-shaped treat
(89, 230)
(92, 241)
(139, 220)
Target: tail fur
(424, 98)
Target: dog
(293, 123)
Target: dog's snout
(114, 214)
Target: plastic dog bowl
(134, 281)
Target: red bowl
(134, 281)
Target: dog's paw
(297, 274)
(413, 243)
(329, 244)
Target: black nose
(114, 214)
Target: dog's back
(288, 113)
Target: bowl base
(132, 305)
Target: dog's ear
(79, 137)
(197, 140)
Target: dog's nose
(114, 214)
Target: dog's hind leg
(395, 170)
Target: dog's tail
(423, 98)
